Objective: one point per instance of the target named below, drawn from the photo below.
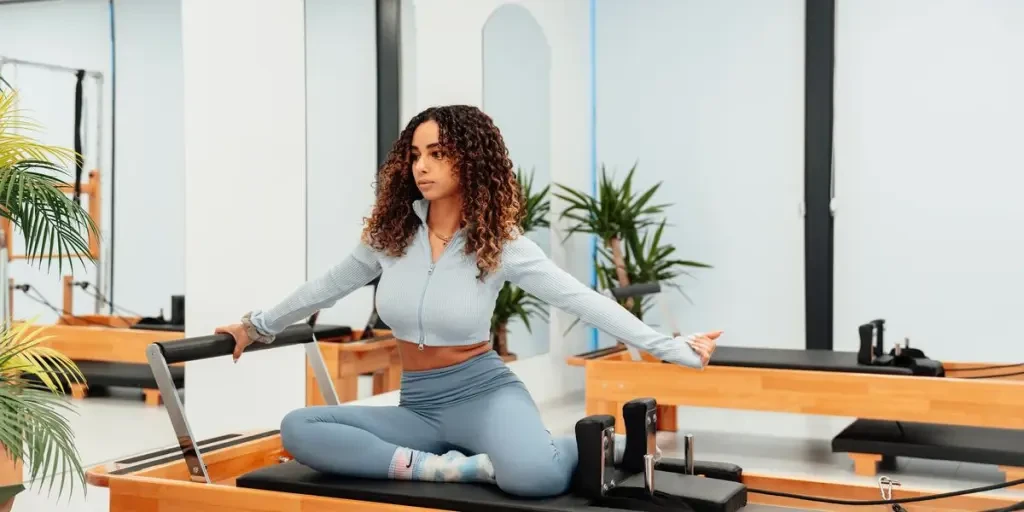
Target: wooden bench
(349, 357)
(871, 442)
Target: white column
(245, 205)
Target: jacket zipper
(430, 272)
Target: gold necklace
(444, 240)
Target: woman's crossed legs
(496, 436)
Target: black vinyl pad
(927, 441)
(102, 373)
(798, 359)
(141, 326)
(293, 477)
(781, 359)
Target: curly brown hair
(492, 205)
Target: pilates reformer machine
(905, 403)
(250, 472)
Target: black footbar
(162, 354)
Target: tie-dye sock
(453, 466)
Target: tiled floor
(112, 427)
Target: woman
(444, 237)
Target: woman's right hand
(242, 339)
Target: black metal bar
(77, 132)
(389, 100)
(217, 345)
(818, 221)
(389, 51)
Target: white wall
(149, 259)
(707, 98)
(927, 163)
(448, 63)
(341, 141)
(149, 223)
(245, 186)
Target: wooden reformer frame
(349, 358)
(203, 479)
(613, 378)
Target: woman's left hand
(704, 344)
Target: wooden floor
(759, 442)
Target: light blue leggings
(478, 406)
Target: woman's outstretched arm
(352, 273)
(528, 267)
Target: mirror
(516, 93)
(124, 116)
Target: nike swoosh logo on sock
(409, 465)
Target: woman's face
(432, 170)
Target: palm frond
(33, 416)
(31, 194)
(536, 204)
(619, 211)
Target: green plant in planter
(622, 219)
(514, 302)
(34, 429)
(646, 260)
(611, 216)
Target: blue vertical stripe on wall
(593, 147)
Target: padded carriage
(799, 359)
(293, 477)
(981, 445)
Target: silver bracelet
(254, 333)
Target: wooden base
(346, 360)
(151, 396)
(867, 464)
(613, 380)
(1013, 473)
(98, 343)
(167, 487)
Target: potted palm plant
(34, 427)
(513, 302)
(628, 226)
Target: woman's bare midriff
(430, 358)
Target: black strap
(79, 159)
